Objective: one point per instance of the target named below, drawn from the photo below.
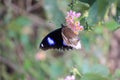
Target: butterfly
(63, 38)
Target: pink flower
(70, 77)
(78, 15)
(73, 22)
(77, 23)
(73, 14)
(40, 55)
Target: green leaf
(56, 70)
(53, 12)
(27, 64)
(112, 25)
(117, 74)
(25, 39)
(117, 16)
(17, 24)
(100, 69)
(80, 6)
(99, 29)
(90, 2)
(97, 12)
(86, 41)
(92, 76)
(23, 21)
(97, 69)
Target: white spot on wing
(78, 46)
(50, 41)
(42, 45)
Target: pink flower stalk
(73, 22)
(70, 77)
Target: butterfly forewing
(54, 40)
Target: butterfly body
(62, 38)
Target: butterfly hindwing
(54, 40)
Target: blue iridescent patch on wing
(64, 43)
(50, 41)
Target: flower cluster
(70, 77)
(73, 22)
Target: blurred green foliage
(21, 59)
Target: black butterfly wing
(54, 40)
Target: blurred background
(24, 23)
